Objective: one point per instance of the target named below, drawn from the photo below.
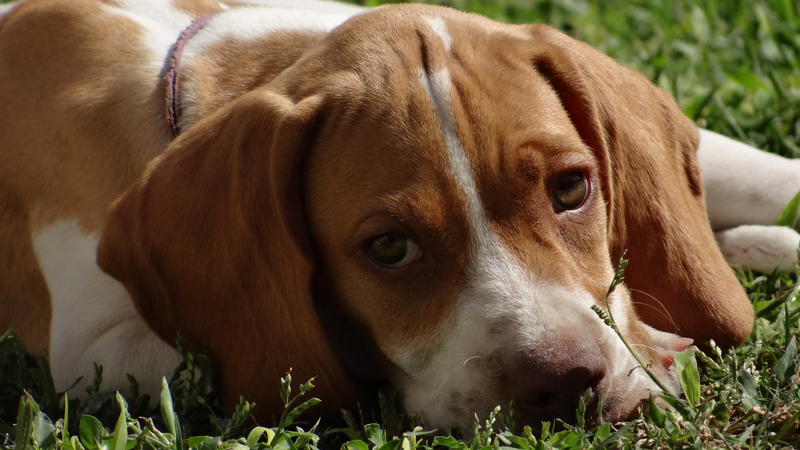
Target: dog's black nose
(549, 386)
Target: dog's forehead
(415, 70)
(422, 81)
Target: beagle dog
(407, 196)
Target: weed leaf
(210, 444)
(167, 411)
(786, 366)
(91, 432)
(449, 442)
(300, 409)
(788, 217)
(196, 441)
(749, 390)
(688, 376)
(356, 445)
(44, 433)
(27, 410)
(613, 437)
(395, 444)
(255, 435)
(374, 434)
(121, 429)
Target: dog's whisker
(645, 346)
(663, 311)
(470, 359)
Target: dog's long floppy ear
(211, 243)
(651, 182)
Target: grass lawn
(733, 66)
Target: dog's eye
(569, 191)
(393, 250)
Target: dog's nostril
(545, 401)
(551, 393)
(565, 396)
(594, 382)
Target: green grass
(733, 66)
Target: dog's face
(457, 189)
(466, 229)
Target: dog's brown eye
(393, 250)
(569, 191)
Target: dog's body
(268, 232)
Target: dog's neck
(242, 49)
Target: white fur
(438, 87)
(744, 186)
(247, 24)
(5, 9)
(760, 247)
(93, 317)
(161, 23)
(310, 5)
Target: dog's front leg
(746, 189)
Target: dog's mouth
(603, 399)
(582, 396)
(600, 399)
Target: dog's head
(443, 197)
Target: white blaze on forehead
(440, 29)
(438, 86)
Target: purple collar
(174, 71)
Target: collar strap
(174, 71)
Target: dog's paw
(760, 247)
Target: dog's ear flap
(211, 243)
(651, 183)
